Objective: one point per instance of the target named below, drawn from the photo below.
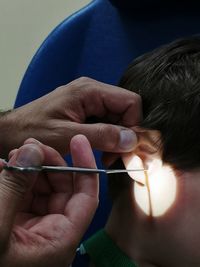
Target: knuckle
(84, 79)
(108, 136)
(82, 82)
(138, 99)
(138, 106)
(79, 84)
(135, 99)
(135, 108)
(60, 88)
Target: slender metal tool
(68, 169)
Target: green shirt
(104, 252)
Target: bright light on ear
(159, 192)
(132, 161)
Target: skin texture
(55, 118)
(43, 216)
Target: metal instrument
(68, 169)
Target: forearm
(27, 121)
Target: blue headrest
(100, 42)
(153, 4)
(123, 4)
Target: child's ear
(159, 189)
(149, 142)
(148, 147)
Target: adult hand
(55, 118)
(43, 216)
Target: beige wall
(24, 24)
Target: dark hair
(168, 81)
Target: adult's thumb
(15, 184)
(108, 137)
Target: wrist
(7, 133)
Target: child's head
(168, 81)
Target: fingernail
(128, 140)
(29, 155)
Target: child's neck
(139, 237)
(128, 237)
